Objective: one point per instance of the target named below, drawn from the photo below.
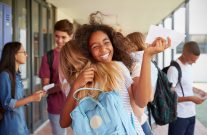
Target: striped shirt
(126, 99)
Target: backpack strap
(82, 89)
(177, 66)
(50, 58)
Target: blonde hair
(138, 41)
(73, 62)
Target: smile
(105, 56)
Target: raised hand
(159, 45)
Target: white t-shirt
(126, 99)
(138, 56)
(184, 109)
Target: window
(197, 23)
(179, 24)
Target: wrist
(147, 56)
(30, 98)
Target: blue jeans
(182, 126)
(54, 121)
(146, 128)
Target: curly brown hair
(119, 42)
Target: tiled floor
(159, 130)
(45, 129)
(200, 129)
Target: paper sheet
(157, 31)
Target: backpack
(50, 58)
(164, 105)
(177, 66)
(102, 116)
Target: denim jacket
(14, 122)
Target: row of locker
(5, 25)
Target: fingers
(84, 77)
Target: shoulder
(172, 70)
(4, 75)
(121, 65)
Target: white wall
(61, 15)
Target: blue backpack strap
(177, 66)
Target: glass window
(197, 23)
(167, 52)
(168, 23)
(179, 24)
(36, 51)
(21, 31)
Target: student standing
(12, 92)
(185, 123)
(63, 30)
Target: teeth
(105, 56)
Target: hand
(84, 77)
(159, 45)
(196, 100)
(37, 96)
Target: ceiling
(130, 15)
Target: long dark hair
(7, 62)
(119, 42)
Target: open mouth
(105, 56)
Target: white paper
(157, 31)
(49, 86)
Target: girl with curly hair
(101, 43)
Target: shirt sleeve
(172, 75)
(126, 75)
(44, 71)
(8, 103)
(136, 69)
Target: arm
(194, 99)
(142, 89)
(137, 110)
(34, 97)
(9, 103)
(70, 104)
(82, 79)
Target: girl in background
(138, 45)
